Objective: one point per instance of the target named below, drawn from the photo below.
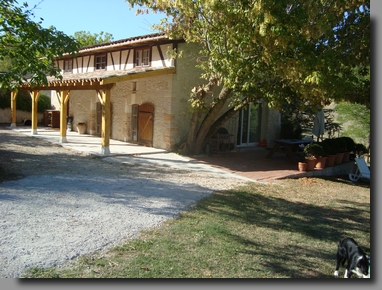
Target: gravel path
(57, 204)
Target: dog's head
(363, 266)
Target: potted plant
(330, 151)
(302, 164)
(341, 143)
(321, 159)
(350, 147)
(311, 151)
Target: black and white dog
(357, 261)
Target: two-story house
(130, 90)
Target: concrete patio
(250, 164)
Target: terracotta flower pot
(310, 164)
(302, 166)
(330, 160)
(321, 161)
(81, 128)
(346, 157)
(339, 158)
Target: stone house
(130, 90)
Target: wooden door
(145, 124)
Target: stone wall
(153, 90)
(6, 117)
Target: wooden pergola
(64, 87)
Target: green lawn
(289, 229)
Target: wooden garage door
(145, 124)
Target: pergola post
(64, 99)
(34, 94)
(13, 108)
(104, 96)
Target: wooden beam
(13, 108)
(64, 99)
(161, 55)
(127, 58)
(112, 60)
(34, 95)
(87, 67)
(100, 96)
(98, 83)
(105, 95)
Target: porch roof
(96, 80)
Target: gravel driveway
(57, 204)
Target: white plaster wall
(117, 60)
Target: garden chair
(362, 171)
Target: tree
(24, 101)
(275, 50)
(357, 118)
(87, 39)
(29, 49)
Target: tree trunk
(195, 143)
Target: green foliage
(314, 150)
(29, 47)
(271, 50)
(85, 38)
(357, 119)
(325, 147)
(310, 46)
(341, 144)
(329, 146)
(290, 130)
(24, 101)
(350, 144)
(360, 149)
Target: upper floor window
(68, 65)
(100, 62)
(142, 57)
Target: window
(68, 65)
(142, 57)
(100, 62)
(249, 130)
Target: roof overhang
(96, 80)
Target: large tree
(275, 50)
(85, 38)
(27, 50)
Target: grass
(289, 229)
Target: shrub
(330, 146)
(314, 150)
(360, 149)
(24, 101)
(350, 144)
(341, 144)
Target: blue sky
(112, 16)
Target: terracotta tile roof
(148, 39)
(135, 39)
